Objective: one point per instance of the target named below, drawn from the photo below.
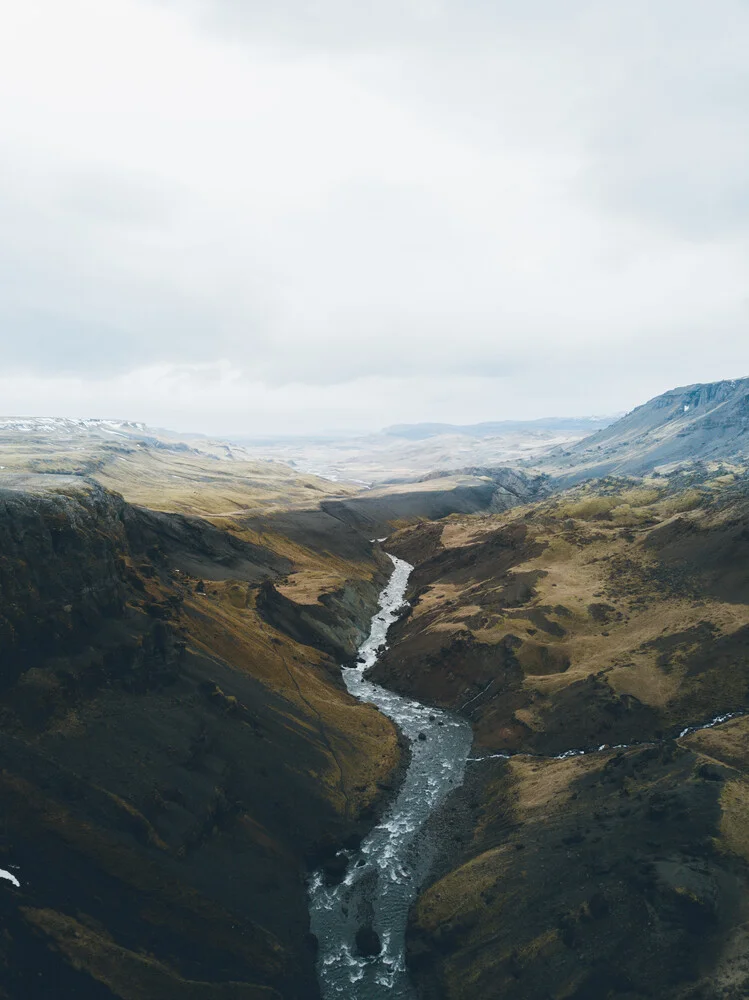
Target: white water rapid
(386, 872)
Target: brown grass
(577, 575)
(543, 786)
(359, 742)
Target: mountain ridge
(705, 421)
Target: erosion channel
(360, 923)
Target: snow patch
(10, 877)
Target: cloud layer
(235, 216)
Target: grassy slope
(166, 474)
(614, 612)
(577, 621)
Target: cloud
(521, 206)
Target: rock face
(60, 572)
(172, 763)
(337, 624)
(512, 486)
(695, 422)
(615, 613)
(436, 495)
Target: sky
(243, 218)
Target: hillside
(609, 618)
(157, 468)
(175, 754)
(707, 422)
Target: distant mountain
(407, 452)
(700, 422)
(153, 467)
(500, 428)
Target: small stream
(384, 875)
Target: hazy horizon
(230, 219)
(321, 434)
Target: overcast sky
(236, 216)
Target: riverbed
(385, 874)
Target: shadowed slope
(171, 762)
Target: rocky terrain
(707, 422)
(175, 755)
(608, 618)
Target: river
(384, 876)
(386, 872)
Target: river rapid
(384, 875)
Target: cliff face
(338, 624)
(61, 572)
(171, 761)
(617, 613)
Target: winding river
(386, 872)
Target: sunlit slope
(157, 469)
(614, 609)
(608, 618)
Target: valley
(607, 619)
(197, 801)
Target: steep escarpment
(610, 617)
(463, 491)
(172, 762)
(335, 623)
(57, 575)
